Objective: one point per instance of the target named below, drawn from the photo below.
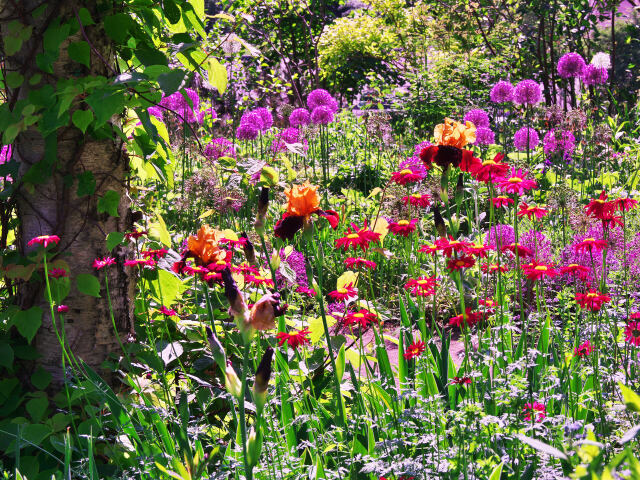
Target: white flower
(601, 60)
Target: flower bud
(265, 310)
(237, 307)
(249, 250)
(216, 349)
(232, 382)
(460, 189)
(263, 205)
(441, 228)
(263, 374)
(255, 447)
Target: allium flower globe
(321, 98)
(265, 117)
(322, 115)
(300, 116)
(485, 136)
(478, 117)
(219, 147)
(571, 65)
(594, 75)
(526, 138)
(527, 92)
(501, 92)
(252, 118)
(561, 142)
(247, 131)
(601, 60)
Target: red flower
(609, 220)
(363, 317)
(489, 305)
(517, 183)
(518, 249)
(625, 204)
(632, 333)
(156, 254)
(258, 280)
(344, 293)
(461, 381)
(479, 251)
(415, 350)
(535, 409)
(593, 300)
(422, 286)
(213, 277)
(169, 312)
(62, 309)
(57, 273)
(531, 211)
(136, 234)
(307, 291)
(536, 270)
(403, 227)
(44, 240)
(357, 262)
(583, 350)
(460, 263)
(195, 270)
(469, 318)
(419, 199)
(590, 244)
(494, 268)
(489, 170)
(358, 237)
(575, 269)
(295, 339)
(143, 262)
(501, 201)
(634, 316)
(448, 246)
(100, 263)
(432, 249)
(598, 207)
(243, 268)
(411, 174)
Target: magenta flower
(62, 309)
(594, 75)
(44, 240)
(501, 92)
(526, 136)
(321, 98)
(517, 182)
(478, 117)
(300, 116)
(527, 92)
(571, 65)
(100, 263)
(322, 115)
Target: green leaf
(85, 17)
(80, 52)
(14, 79)
(109, 203)
(117, 27)
(151, 56)
(36, 408)
(28, 322)
(217, 74)
(41, 378)
(631, 398)
(158, 230)
(105, 103)
(82, 119)
(6, 355)
(167, 288)
(340, 363)
(170, 82)
(172, 12)
(114, 239)
(541, 446)
(497, 472)
(86, 184)
(88, 284)
(268, 176)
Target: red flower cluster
(465, 261)
(155, 254)
(44, 240)
(536, 270)
(536, 410)
(57, 273)
(358, 237)
(358, 262)
(415, 350)
(574, 269)
(142, 262)
(461, 381)
(100, 263)
(422, 286)
(169, 312)
(468, 317)
(363, 318)
(417, 199)
(489, 170)
(344, 293)
(604, 210)
(517, 182)
(592, 300)
(295, 339)
(584, 350)
(501, 201)
(590, 245)
(494, 268)
(531, 211)
(403, 227)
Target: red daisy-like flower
(461, 381)
(489, 305)
(634, 316)
(295, 339)
(590, 244)
(489, 170)
(625, 204)
(142, 262)
(363, 317)
(609, 220)
(422, 286)
(469, 318)
(258, 280)
(100, 263)
(411, 174)
(57, 273)
(415, 350)
(344, 293)
(244, 268)
(358, 237)
(501, 201)
(460, 263)
(632, 333)
(135, 235)
(598, 207)
(358, 262)
(169, 312)
(517, 182)
(479, 251)
(240, 243)
(155, 254)
(417, 199)
(306, 290)
(427, 248)
(536, 270)
(44, 240)
(536, 410)
(494, 268)
(592, 300)
(531, 211)
(583, 350)
(517, 249)
(403, 227)
(579, 271)
(213, 277)
(449, 245)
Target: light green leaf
(88, 284)
(217, 74)
(80, 52)
(109, 203)
(158, 231)
(631, 398)
(82, 119)
(114, 239)
(28, 322)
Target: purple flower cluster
(571, 65)
(219, 147)
(485, 136)
(526, 139)
(5, 154)
(178, 103)
(253, 122)
(538, 243)
(501, 92)
(322, 105)
(478, 117)
(288, 135)
(299, 117)
(594, 75)
(527, 92)
(562, 142)
(296, 262)
(419, 147)
(501, 235)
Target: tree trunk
(53, 207)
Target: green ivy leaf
(88, 284)
(171, 81)
(14, 79)
(28, 322)
(85, 17)
(82, 119)
(117, 27)
(109, 203)
(158, 231)
(86, 184)
(41, 378)
(114, 239)
(172, 12)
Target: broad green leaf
(88, 284)
(6, 355)
(167, 288)
(36, 408)
(497, 472)
(158, 231)
(82, 119)
(631, 398)
(114, 239)
(340, 363)
(41, 378)
(217, 74)
(28, 322)
(109, 203)
(86, 184)
(316, 328)
(80, 52)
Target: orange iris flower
(303, 200)
(205, 246)
(455, 134)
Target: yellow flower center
(541, 268)
(589, 240)
(416, 195)
(221, 262)
(358, 315)
(259, 277)
(422, 282)
(405, 171)
(460, 263)
(488, 162)
(403, 222)
(573, 265)
(353, 235)
(342, 290)
(515, 180)
(591, 295)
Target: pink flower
(100, 263)
(44, 240)
(57, 273)
(517, 182)
(62, 309)
(169, 312)
(403, 227)
(539, 411)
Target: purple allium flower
(288, 135)
(247, 131)
(501, 235)
(538, 243)
(296, 261)
(501, 92)
(571, 65)
(526, 136)
(266, 117)
(219, 147)
(252, 118)
(562, 142)
(485, 136)
(527, 92)
(300, 116)
(336, 309)
(179, 104)
(322, 115)
(478, 117)
(419, 147)
(595, 75)
(155, 111)
(321, 98)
